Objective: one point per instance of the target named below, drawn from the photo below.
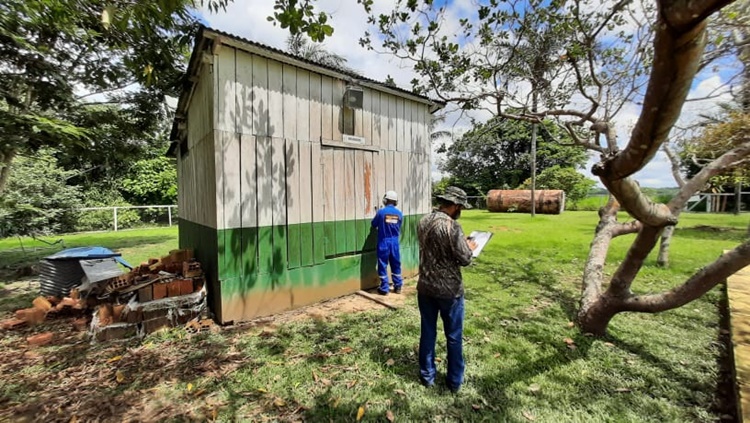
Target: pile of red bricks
(175, 277)
(157, 294)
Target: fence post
(115, 214)
(169, 214)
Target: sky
(248, 19)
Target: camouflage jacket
(442, 252)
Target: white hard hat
(390, 195)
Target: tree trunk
(6, 158)
(666, 239)
(546, 201)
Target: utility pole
(533, 153)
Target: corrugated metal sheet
(62, 271)
(57, 277)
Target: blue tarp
(82, 253)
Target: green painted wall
(245, 262)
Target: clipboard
(481, 238)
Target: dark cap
(456, 196)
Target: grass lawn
(524, 361)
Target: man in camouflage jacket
(443, 249)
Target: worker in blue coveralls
(388, 222)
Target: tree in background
(151, 182)
(38, 200)
(496, 155)
(617, 52)
(63, 62)
(299, 45)
(575, 185)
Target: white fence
(115, 209)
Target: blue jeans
(388, 252)
(452, 312)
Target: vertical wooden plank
(229, 147)
(389, 183)
(327, 107)
(293, 202)
(289, 101)
(337, 99)
(275, 100)
(317, 203)
(375, 119)
(339, 199)
(392, 143)
(400, 124)
(227, 82)
(315, 107)
(409, 131)
(359, 122)
(408, 186)
(359, 198)
(370, 198)
(249, 205)
(279, 207)
(367, 116)
(303, 105)
(350, 201)
(264, 162)
(244, 93)
(305, 205)
(398, 181)
(384, 143)
(329, 201)
(260, 96)
(380, 177)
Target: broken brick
(173, 289)
(32, 316)
(185, 286)
(40, 339)
(160, 290)
(133, 316)
(12, 323)
(117, 312)
(42, 303)
(155, 314)
(145, 294)
(105, 315)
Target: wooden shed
(281, 164)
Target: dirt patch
(329, 309)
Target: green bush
(37, 199)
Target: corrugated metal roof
(205, 34)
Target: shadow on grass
(704, 232)
(59, 382)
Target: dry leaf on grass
(399, 392)
(360, 413)
(389, 416)
(622, 390)
(476, 406)
(346, 350)
(119, 376)
(530, 417)
(571, 324)
(115, 358)
(534, 388)
(390, 362)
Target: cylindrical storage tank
(548, 201)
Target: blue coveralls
(388, 222)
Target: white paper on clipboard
(481, 238)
